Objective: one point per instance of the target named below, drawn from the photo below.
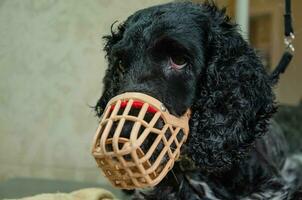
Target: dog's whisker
(175, 177)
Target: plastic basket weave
(122, 158)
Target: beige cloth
(83, 194)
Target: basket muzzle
(142, 155)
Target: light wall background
(51, 66)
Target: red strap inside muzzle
(136, 105)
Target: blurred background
(51, 69)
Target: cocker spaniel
(192, 56)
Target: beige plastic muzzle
(143, 156)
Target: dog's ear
(111, 78)
(234, 99)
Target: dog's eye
(177, 62)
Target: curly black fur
(224, 84)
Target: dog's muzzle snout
(142, 155)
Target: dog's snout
(141, 88)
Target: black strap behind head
(289, 37)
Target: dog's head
(191, 56)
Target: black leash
(288, 28)
(288, 40)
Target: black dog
(192, 56)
